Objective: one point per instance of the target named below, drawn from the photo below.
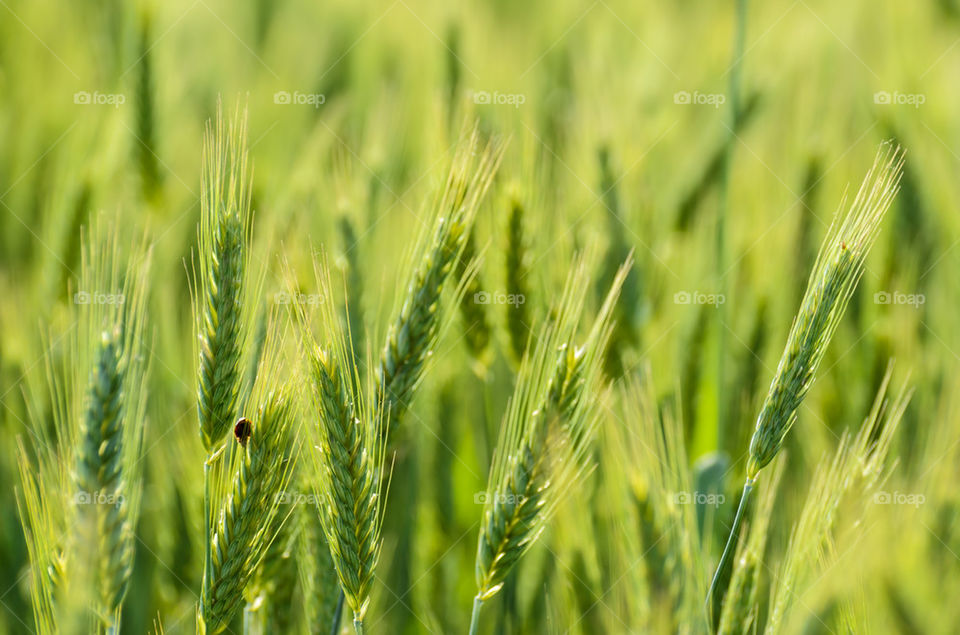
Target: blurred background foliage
(102, 106)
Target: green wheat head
(839, 485)
(832, 282)
(245, 524)
(476, 324)
(221, 276)
(542, 450)
(412, 335)
(517, 268)
(347, 452)
(79, 509)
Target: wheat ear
(220, 292)
(80, 507)
(260, 471)
(545, 437)
(347, 454)
(412, 335)
(516, 256)
(832, 282)
(225, 223)
(835, 275)
(476, 325)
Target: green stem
(715, 595)
(721, 246)
(207, 546)
(475, 616)
(337, 614)
(358, 624)
(248, 617)
(482, 426)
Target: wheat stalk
(739, 611)
(261, 469)
(835, 275)
(476, 327)
(220, 292)
(516, 258)
(351, 259)
(412, 335)
(544, 440)
(347, 457)
(80, 509)
(225, 223)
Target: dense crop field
(503, 317)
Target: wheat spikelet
(80, 507)
(347, 456)
(100, 477)
(544, 439)
(853, 473)
(260, 471)
(225, 222)
(516, 257)
(475, 324)
(413, 333)
(834, 277)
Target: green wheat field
(483, 317)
